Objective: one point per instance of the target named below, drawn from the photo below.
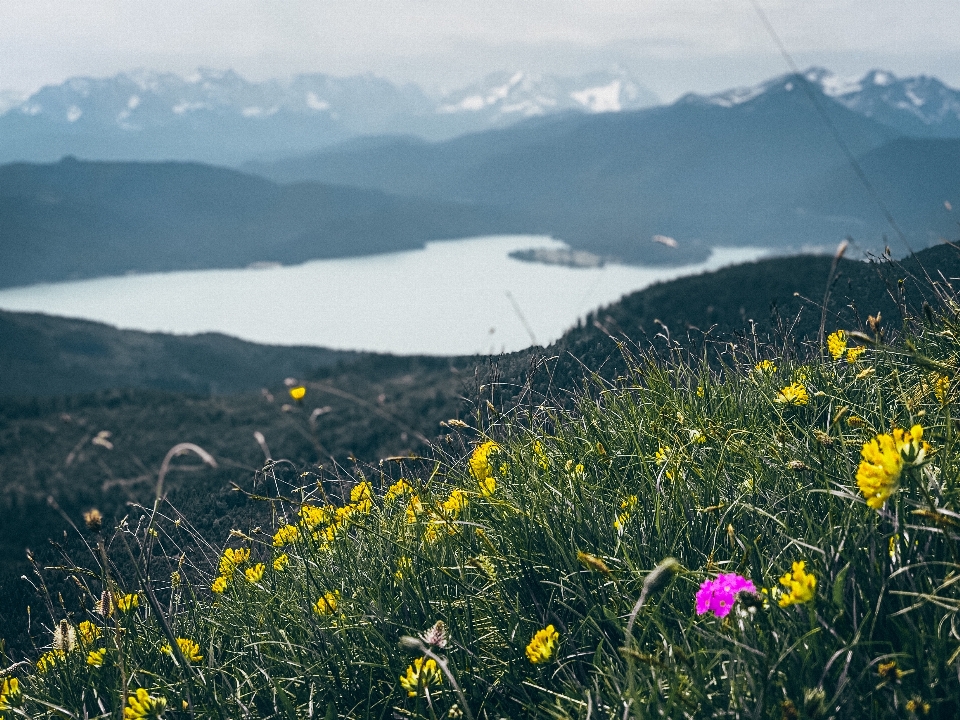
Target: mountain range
(738, 169)
(222, 118)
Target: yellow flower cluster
(793, 394)
(837, 344)
(854, 353)
(190, 650)
(95, 658)
(626, 510)
(543, 645)
(49, 659)
(9, 693)
(128, 602)
(404, 565)
(800, 584)
(311, 517)
(541, 457)
(882, 460)
(765, 367)
(286, 535)
(298, 392)
(400, 488)
(481, 467)
(219, 585)
(455, 504)
(232, 559)
(941, 388)
(420, 675)
(280, 562)
(144, 706)
(254, 574)
(88, 632)
(327, 605)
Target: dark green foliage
(76, 219)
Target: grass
(575, 535)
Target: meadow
(738, 534)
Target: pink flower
(718, 595)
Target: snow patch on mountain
(605, 98)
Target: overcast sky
(673, 45)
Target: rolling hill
(77, 219)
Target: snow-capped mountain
(502, 98)
(140, 100)
(918, 106)
(209, 116)
(220, 117)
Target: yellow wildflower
(95, 657)
(765, 367)
(88, 632)
(941, 388)
(542, 460)
(837, 344)
(399, 488)
(361, 493)
(420, 675)
(699, 391)
(404, 564)
(126, 603)
(888, 671)
(312, 516)
(854, 353)
(917, 706)
(481, 469)
(298, 392)
(414, 509)
(455, 504)
(543, 645)
(49, 659)
(697, 436)
(280, 562)
(232, 559)
(286, 535)
(254, 574)
(882, 462)
(662, 455)
(144, 706)
(793, 394)
(219, 585)
(626, 510)
(327, 605)
(9, 693)
(190, 650)
(800, 584)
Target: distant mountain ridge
(920, 106)
(76, 219)
(744, 170)
(222, 118)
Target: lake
(450, 298)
